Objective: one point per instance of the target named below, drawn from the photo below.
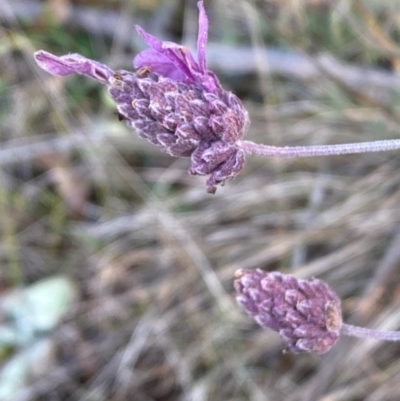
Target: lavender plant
(176, 103)
(306, 313)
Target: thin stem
(362, 332)
(319, 150)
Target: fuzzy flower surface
(173, 101)
(306, 313)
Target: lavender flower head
(306, 313)
(173, 101)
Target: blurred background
(117, 267)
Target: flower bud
(306, 313)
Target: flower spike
(306, 313)
(173, 101)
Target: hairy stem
(362, 332)
(319, 150)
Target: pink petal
(170, 53)
(73, 64)
(202, 37)
(159, 63)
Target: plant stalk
(362, 332)
(319, 150)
